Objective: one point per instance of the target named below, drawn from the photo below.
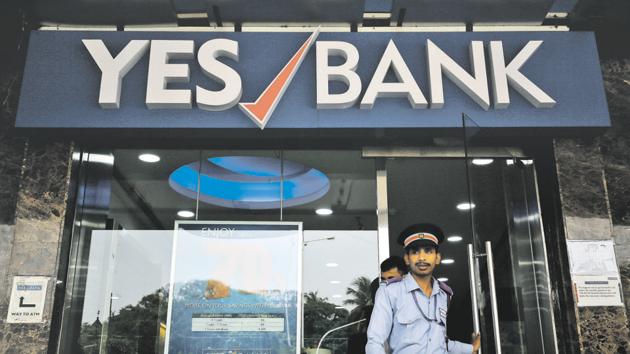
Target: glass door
(493, 257)
(507, 256)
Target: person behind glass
(410, 313)
(393, 267)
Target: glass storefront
(351, 205)
(130, 201)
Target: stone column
(34, 177)
(586, 214)
(31, 245)
(615, 146)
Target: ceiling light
(150, 158)
(185, 214)
(482, 162)
(447, 261)
(454, 238)
(443, 279)
(465, 206)
(101, 158)
(524, 162)
(323, 211)
(332, 265)
(335, 282)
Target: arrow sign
(22, 304)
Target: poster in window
(235, 288)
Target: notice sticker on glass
(593, 290)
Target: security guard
(411, 312)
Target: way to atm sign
(486, 83)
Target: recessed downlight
(185, 214)
(465, 206)
(454, 238)
(524, 162)
(482, 162)
(323, 211)
(447, 261)
(149, 158)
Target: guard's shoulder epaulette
(392, 281)
(447, 289)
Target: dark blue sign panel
(62, 81)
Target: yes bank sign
(311, 80)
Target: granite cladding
(41, 201)
(580, 169)
(594, 178)
(615, 144)
(603, 330)
(34, 177)
(615, 147)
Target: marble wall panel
(6, 246)
(586, 214)
(35, 240)
(13, 28)
(593, 339)
(588, 228)
(615, 144)
(580, 169)
(622, 252)
(11, 153)
(44, 183)
(24, 338)
(615, 147)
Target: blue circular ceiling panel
(249, 182)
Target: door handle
(473, 289)
(493, 297)
(493, 292)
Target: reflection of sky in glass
(354, 252)
(134, 263)
(129, 264)
(247, 260)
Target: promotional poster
(235, 288)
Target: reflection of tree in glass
(360, 292)
(321, 316)
(134, 329)
(362, 298)
(91, 336)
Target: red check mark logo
(261, 110)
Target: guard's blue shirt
(409, 329)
